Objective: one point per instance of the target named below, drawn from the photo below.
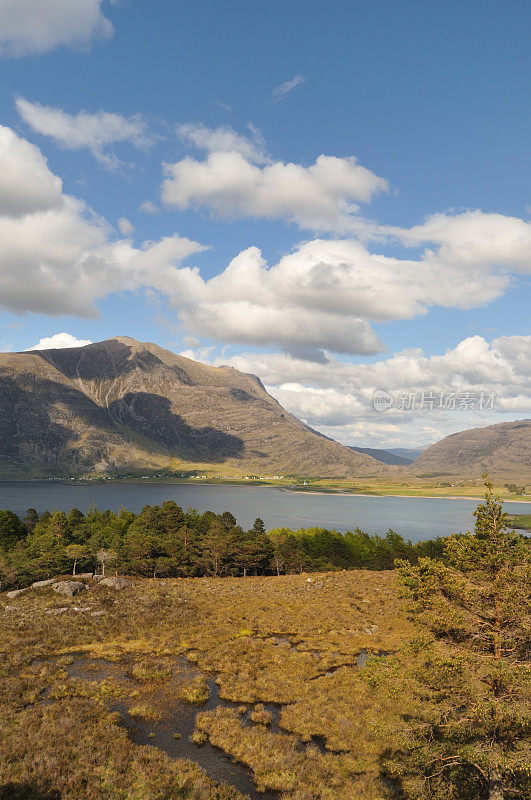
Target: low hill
(123, 405)
(503, 449)
(405, 452)
(385, 456)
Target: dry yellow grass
(291, 639)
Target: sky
(331, 195)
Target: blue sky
(405, 270)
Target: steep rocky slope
(122, 404)
(503, 449)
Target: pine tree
(469, 722)
(478, 594)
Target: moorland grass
(265, 639)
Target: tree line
(166, 541)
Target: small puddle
(180, 720)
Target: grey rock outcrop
(42, 584)
(69, 588)
(115, 582)
(15, 593)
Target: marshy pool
(174, 732)
(173, 735)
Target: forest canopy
(166, 541)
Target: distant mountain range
(122, 406)
(405, 452)
(385, 456)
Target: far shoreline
(238, 483)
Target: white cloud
(337, 397)
(323, 295)
(58, 257)
(37, 26)
(85, 130)
(26, 183)
(280, 92)
(225, 140)
(471, 238)
(148, 207)
(322, 196)
(125, 227)
(59, 341)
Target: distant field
(521, 521)
(413, 487)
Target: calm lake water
(414, 518)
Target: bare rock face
(115, 582)
(69, 588)
(42, 584)
(123, 405)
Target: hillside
(385, 456)
(497, 449)
(122, 405)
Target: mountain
(503, 449)
(122, 405)
(385, 456)
(405, 452)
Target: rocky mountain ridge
(123, 405)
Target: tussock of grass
(196, 692)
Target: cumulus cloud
(471, 238)
(59, 341)
(37, 26)
(26, 183)
(280, 92)
(148, 207)
(337, 397)
(323, 296)
(95, 132)
(125, 227)
(225, 140)
(321, 196)
(56, 255)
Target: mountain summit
(122, 405)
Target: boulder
(69, 588)
(115, 582)
(40, 584)
(15, 593)
(85, 576)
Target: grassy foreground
(59, 735)
(324, 686)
